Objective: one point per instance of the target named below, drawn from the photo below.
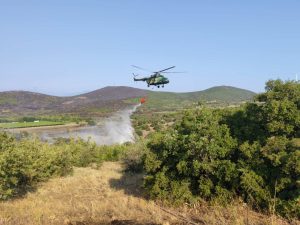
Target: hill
(217, 95)
(223, 93)
(15, 103)
(108, 99)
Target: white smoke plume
(116, 129)
(119, 128)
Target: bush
(195, 150)
(26, 162)
(90, 122)
(219, 155)
(139, 132)
(133, 157)
(113, 152)
(82, 153)
(23, 164)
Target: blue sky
(65, 47)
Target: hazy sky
(65, 47)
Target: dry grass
(88, 195)
(235, 214)
(106, 195)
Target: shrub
(194, 151)
(133, 157)
(139, 132)
(26, 162)
(220, 154)
(201, 158)
(82, 153)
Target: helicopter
(156, 79)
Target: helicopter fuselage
(154, 80)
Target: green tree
(220, 154)
(281, 108)
(193, 157)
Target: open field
(46, 128)
(14, 125)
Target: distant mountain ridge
(111, 98)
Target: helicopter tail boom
(138, 79)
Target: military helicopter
(156, 79)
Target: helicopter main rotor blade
(173, 72)
(165, 69)
(141, 68)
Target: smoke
(119, 128)
(116, 129)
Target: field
(13, 125)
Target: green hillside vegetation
(222, 93)
(222, 96)
(7, 100)
(161, 101)
(145, 123)
(219, 155)
(21, 97)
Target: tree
(281, 108)
(219, 154)
(192, 159)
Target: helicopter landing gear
(148, 85)
(158, 86)
(163, 86)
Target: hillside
(16, 103)
(222, 93)
(219, 95)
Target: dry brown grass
(105, 195)
(88, 195)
